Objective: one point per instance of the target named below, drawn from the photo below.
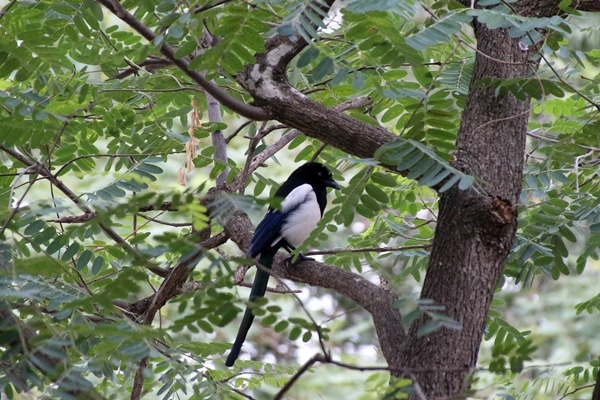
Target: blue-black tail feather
(259, 287)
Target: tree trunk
(475, 230)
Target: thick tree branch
(474, 234)
(240, 181)
(266, 81)
(379, 302)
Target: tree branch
(42, 170)
(47, 365)
(151, 64)
(214, 115)
(288, 385)
(267, 83)
(426, 246)
(379, 302)
(246, 110)
(240, 181)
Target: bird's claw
(293, 260)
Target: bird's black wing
(267, 232)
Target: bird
(303, 199)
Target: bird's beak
(332, 184)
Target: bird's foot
(296, 259)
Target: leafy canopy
(94, 126)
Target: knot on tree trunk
(503, 212)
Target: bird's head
(315, 173)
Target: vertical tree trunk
(596, 394)
(475, 230)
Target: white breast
(304, 214)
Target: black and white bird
(304, 197)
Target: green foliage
(435, 317)
(240, 33)
(502, 16)
(457, 76)
(95, 125)
(511, 348)
(422, 164)
(438, 32)
(302, 20)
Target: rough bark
(475, 230)
(266, 82)
(596, 394)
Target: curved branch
(240, 181)
(246, 110)
(379, 302)
(267, 82)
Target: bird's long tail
(259, 287)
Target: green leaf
(295, 333)
(40, 266)
(84, 259)
(411, 159)
(35, 227)
(70, 251)
(465, 182)
(323, 69)
(428, 328)
(57, 244)
(384, 179)
(186, 48)
(307, 56)
(269, 320)
(306, 336)
(97, 265)
(361, 7)
(449, 183)
(370, 203)
(439, 32)
(205, 326)
(281, 326)
(378, 194)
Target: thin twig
(277, 289)
(325, 359)
(316, 358)
(577, 390)
(247, 110)
(158, 221)
(240, 128)
(369, 250)
(206, 7)
(42, 170)
(138, 380)
(552, 140)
